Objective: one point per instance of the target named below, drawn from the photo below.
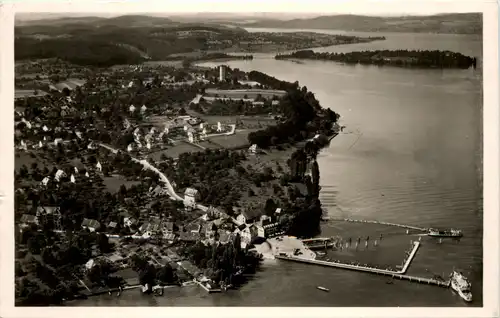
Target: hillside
(107, 41)
(466, 23)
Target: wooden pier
(209, 290)
(377, 271)
(319, 242)
(383, 223)
(394, 274)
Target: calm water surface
(411, 154)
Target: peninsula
(125, 178)
(400, 58)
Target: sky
(293, 8)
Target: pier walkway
(319, 242)
(383, 223)
(377, 271)
(394, 274)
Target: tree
(315, 178)
(165, 275)
(147, 275)
(103, 243)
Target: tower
(222, 73)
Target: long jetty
(383, 223)
(394, 274)
(377, 271)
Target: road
(168, 185)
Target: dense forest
(304, 117)
(85, 44)
(93, 53)
(401, 58)
(224, 263)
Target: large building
(222, 73)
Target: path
(163, 178)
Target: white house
(129, 221)
(143, 108)
(45, 181)
(91, 224)
(45, 128)
(219, 126)
(248, 234)
(98, 166)
(190, 196)
(59, 175)
(90, 264)
(131, 108)
(253, 149)
(76, 169)
(57, 141)
(129, 148)
(40, 145)
(87, 174)
(23, 145)
(72, 178)
(250, 215)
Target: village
(142, 225)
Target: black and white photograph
(217, 158)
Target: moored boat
(461, 285)
(323, 288)
(444, 233)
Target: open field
(239, 139)
(114, 182)
(240, 93)
(174, 151)
(22, 93)
(26, 159)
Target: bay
(411, 154)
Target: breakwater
(410, 227)
(393, 274)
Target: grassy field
(26, 159)
(114, 182)
(250, 93)
(239, 139)
(174, 151)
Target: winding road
(167, 185)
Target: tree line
(303, 115)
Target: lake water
(411, 154)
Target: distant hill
(102, 41)
(120, 21)
(457, 23)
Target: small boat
(320, 253)
(323, 289)
(389, 282)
